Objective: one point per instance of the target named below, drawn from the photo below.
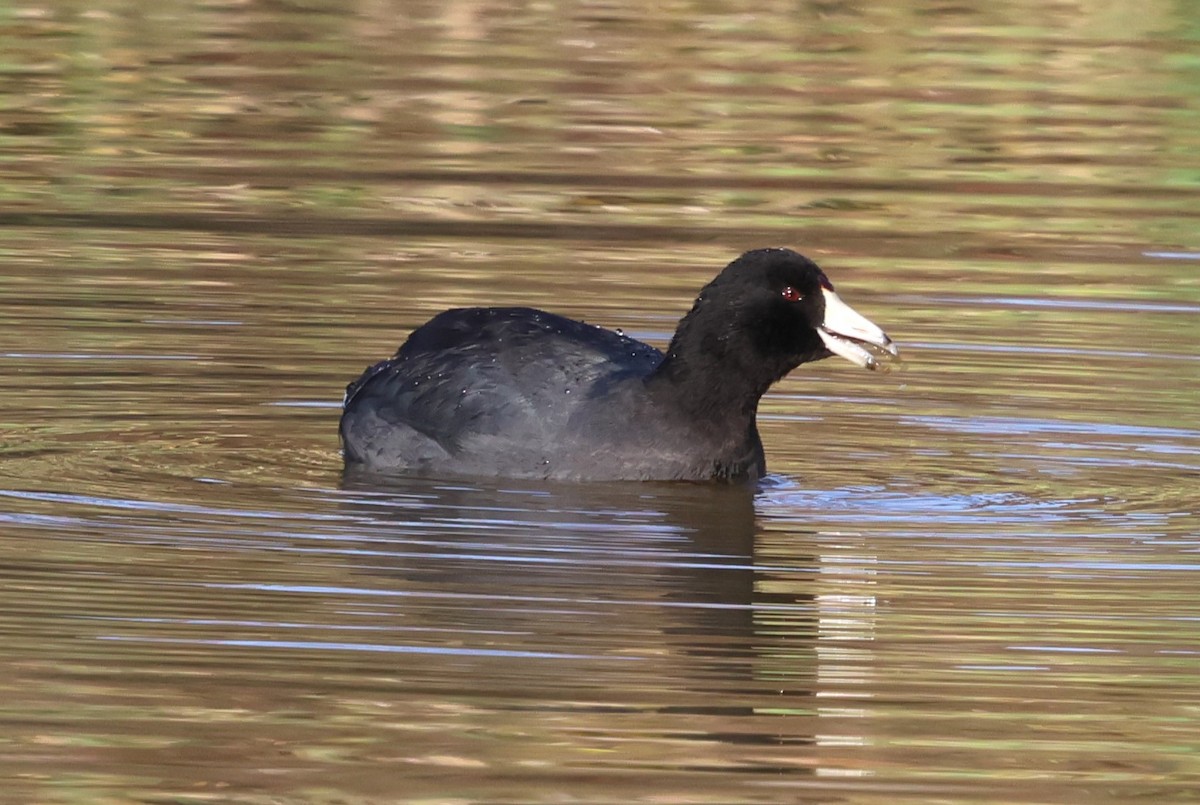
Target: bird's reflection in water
(649, 593)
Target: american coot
(517, 392)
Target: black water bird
(522, 393)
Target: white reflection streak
(846, 616)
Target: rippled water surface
(972, 580)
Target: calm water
(972, 581)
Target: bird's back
(484, 391)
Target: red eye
(791, 294)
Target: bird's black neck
(711, 373)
